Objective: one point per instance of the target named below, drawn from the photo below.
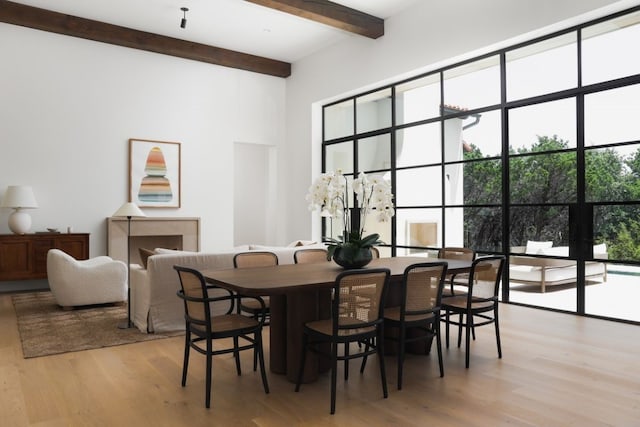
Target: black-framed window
(497, 150)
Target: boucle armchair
(98, 280)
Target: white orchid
(329, 194)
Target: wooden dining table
(300, 293)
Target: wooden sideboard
(24, 256)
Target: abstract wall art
(154, 173)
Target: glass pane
(530, 126)
(473, 85)
(618, 228)
(612, 115)
(607, 47)
(418, 145)
(419, 187)
(419, 227)
(544, 67)
(418, 99)
(603, 291)
(339, 156)
(525, 282)
(482, 183)
(613, 174)
(544, 282)
(543, 178)
(538, 224)
(338, 120)
(472, 137)
(374, 153)
(385, 252)
(373, 111)
(372, 225)
(427, 253)
(476, 228)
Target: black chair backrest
(305, 256)
(359, 298)
(422, 286)
(255, 259)
(457, 253)
(484, 278)
(194, 291)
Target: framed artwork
(154, 173)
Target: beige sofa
(552, 271)
(154, 304)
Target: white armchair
(97, 280)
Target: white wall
(68, 107)
(423, 37)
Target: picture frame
(154, 173)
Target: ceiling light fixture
(183, 22)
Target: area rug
(46, 329)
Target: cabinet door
(15, 261)
(76, 246)
(40, 248)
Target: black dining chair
(418, 312)
(479, 306)
(352, 321)
(202, 327)
(306, 256)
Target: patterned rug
(46, 329)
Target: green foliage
(546, 174)
(352, 243)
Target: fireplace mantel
(181, 233)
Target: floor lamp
(128, 210)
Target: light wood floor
(557, 370)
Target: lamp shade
(19, 196)
(129, 210)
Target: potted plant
(329, 193)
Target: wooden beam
(46, 20)
(329, 13)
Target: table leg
(278, 334)
(302, 307)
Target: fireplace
(180, 233)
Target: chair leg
(495, 320)
(207, 400)
(334, 375)
(236, 355)
(260, 350)
(364, 359)
(346, 361)
(460, 319)
(446, 325)
(436, 330)
(305, 343)
(255, 350)
(401, 354)
(467, 328)
(185, 363)
(383, 372)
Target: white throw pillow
(600, 251)
(556, 251)
(533, 247)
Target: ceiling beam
(46, 20)
(329, 13)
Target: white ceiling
(230, 24)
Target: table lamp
(19, 197)
(128, 210)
